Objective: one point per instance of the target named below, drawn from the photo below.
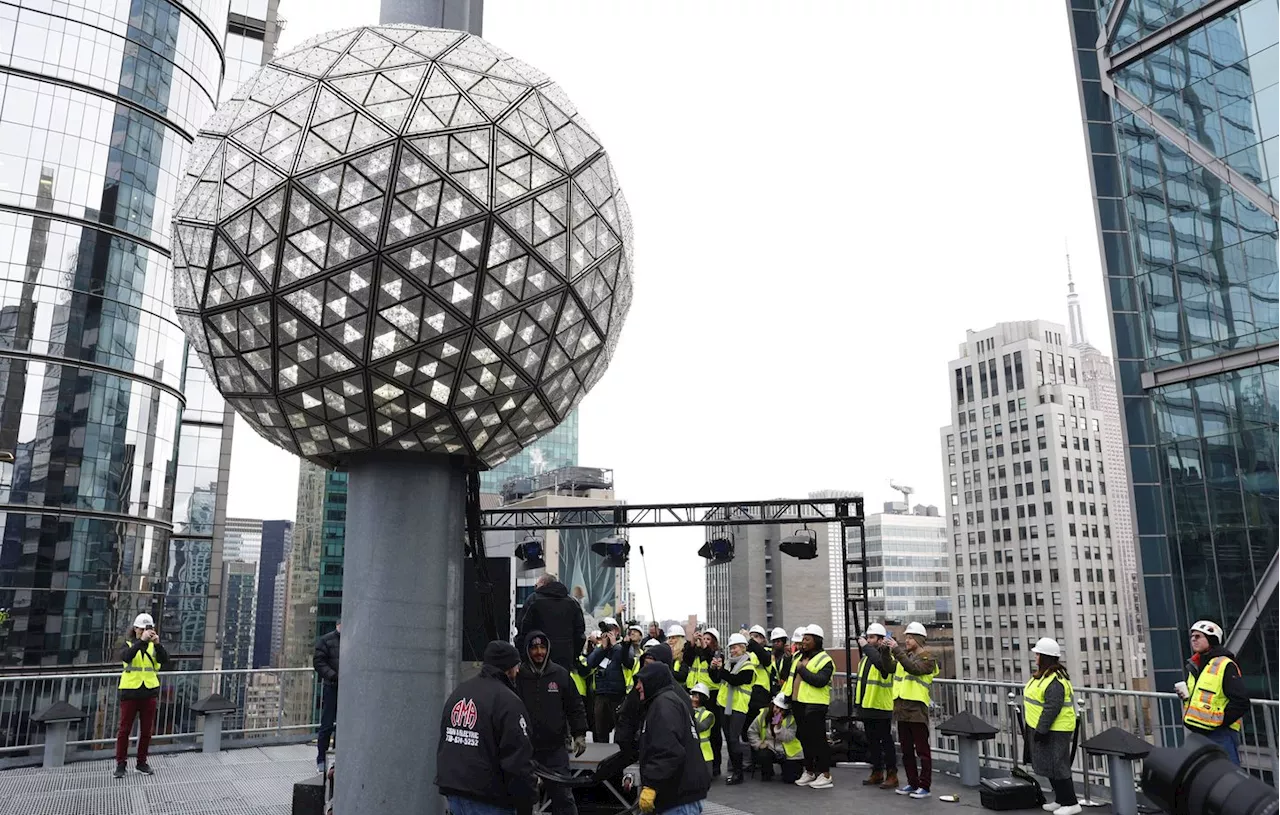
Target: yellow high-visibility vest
(912, 687)
(141, 672)
(790, 748)
(873, 690)
(703, 720)
(1206, 705)
(802, 691)
(579, 681)
(742, 693)
(1033, 703)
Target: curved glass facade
(98, 105)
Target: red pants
(145, 709)
(913, 737)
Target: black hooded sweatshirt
(484, 751)
(631, 711)
(555, 707)
(670, 755)
(1232, 684)
(550, 609)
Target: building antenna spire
(1074, 315)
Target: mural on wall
(580, 569)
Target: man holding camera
(608, 660)
(1214, 695)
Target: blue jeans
(469, 806)
(1227, 739)
(684, 809)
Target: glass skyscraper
(1180, 114)
(97, 108)
(557, 449)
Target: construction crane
(906, 492)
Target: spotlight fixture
(614, 549)
(803, 544)
(531, 551)
(717, 550)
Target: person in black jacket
(631, 711)
(556, 715)
(674, 774)
(325, 661)
(484, 761)
(780, 661)
(551, 610)
(143, 657)
(609, 658)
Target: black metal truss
(844, 511)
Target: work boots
(877, 777)
(890, 781)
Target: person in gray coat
(1048, 705)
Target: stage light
(614, 549)
(530, 550)
(717, 550)
(803, 544)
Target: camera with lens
(1198, 779)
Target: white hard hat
(815, 630)
(635, 627)
(1209, 628)
(781, 701)
(798, 634)
(675, 631)
(1048, 647)
(701, 688)
(917, 629)
(758, 629)
(609, 621)
(143, 620)
(876, 629)
(650, 644)
(713, 633)
(737, 639)
(778, 634)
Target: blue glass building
(557, 449)
(1181, 112)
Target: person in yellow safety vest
(873, 704)
(709, 657)
(772, 736)
(635, 642)
(142, 657)
(681, 668)
(1214, 696)
(702, 719)
(758, 646)
(780, 663)
(809, 691)
(736, 677)
(912, 680)
(1050, 714)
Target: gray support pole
(406, 523)
(459, 15)
(1124, 801)
(55, 744)
(212, 740)
(970, 773)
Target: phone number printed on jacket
(463, 718)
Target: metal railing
(1153, 717)
(272, 703)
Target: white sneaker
(822, 782)
(805, 779)
(1052, 806)
(1074, 809)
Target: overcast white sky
(826, 195)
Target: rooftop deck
(259, 781)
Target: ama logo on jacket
(464, 714)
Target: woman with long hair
(142, 656)
(1048, 704)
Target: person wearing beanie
(484, 760)
(631, 711)
(672, 766)
(557, 718)
(912, 684)
(809, 693)
(1214, 695)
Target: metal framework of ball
(400, 238)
